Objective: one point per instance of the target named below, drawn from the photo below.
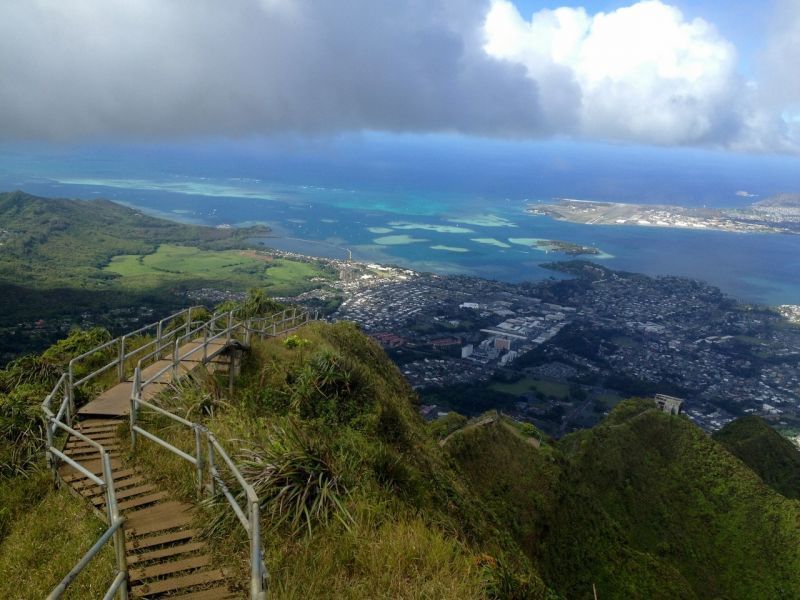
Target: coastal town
(561, 353)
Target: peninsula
(778, 214)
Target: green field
(232, 269)
(529, 384)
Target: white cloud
(642, 72)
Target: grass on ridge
(45, 542)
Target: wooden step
(69, 475)
(129, 482)
(178, 583)
(100, 499)
(98, 429)
(163, 516)
(96, 424)
(169, 568)
(120, 476)
(160, 540)
(97, 437)
(142, 501)
(215, 593)
(108, 445)
(89, 450)
(91, 453)
(134, 559)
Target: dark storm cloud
(166, 69)
(156, 68)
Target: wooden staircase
(165, 555)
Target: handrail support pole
(198, 453)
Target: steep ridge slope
(774, 458)
(644, 505)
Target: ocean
(435, 214)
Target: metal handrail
(249, 517)
(122, 356)
(115, 521)
(116, 585)
(224, 324)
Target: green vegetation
(360, 500)
(45, 541)
(774, 458)
(51, 243)
(63, 258)
(24, 383)
(643, 505)
(357, 497)
(230, 269)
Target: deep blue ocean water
(440, 206)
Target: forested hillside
(774, 458)
(644, 505)
(51, 243)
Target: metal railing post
(230, 326)
(113, 518)
(212, 488)
(188, 320)
(205, 343)
(158, 336)
(247, 331)
(121, 358)
(198, 453)
(135, 393)
(51, 463)
(257, 591)
(70, 393)
(175, 361)
(68, 410)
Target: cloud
(152, 69)
(641, 72)
(203, 67)
(779, 81)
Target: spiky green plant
(330, 387)
(194, 396)
(21, 429)
(296, 481)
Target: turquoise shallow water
(446, 232)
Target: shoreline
(754, 219)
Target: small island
(567, 248)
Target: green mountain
(382, 504)
(65, 262)
(51, 243)
(644, 505)
(774, 458)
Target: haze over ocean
(440, 203)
